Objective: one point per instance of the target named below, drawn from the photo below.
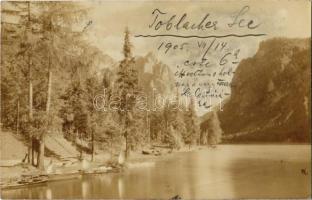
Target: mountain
(100, 62)
(154, 75)
(270, 97)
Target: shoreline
(74, 168)
(28, 175)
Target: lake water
(230, 171)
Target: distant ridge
(270, 100)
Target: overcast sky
(288, 18)
(278, 18)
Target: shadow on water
(230, 171)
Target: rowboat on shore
(24, 183)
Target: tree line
(49, 83)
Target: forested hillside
(51, 76)
(270, 98)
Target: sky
(288, 18)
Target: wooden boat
(24, 183)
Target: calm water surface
(230, 171)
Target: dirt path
(11, 148)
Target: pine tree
(57, 19)
(18, 39)
(174, 129)
(157, 125)
(192, 124)
(167, 118)
(215, 131)
(178, 122)
(126, 89)
(211, 132)
(43, 36)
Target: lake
(229, 171)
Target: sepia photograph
(155, 99)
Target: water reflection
(107, 180)
(120, 188)
(248, 171)
(49, 193)
(85, 188)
